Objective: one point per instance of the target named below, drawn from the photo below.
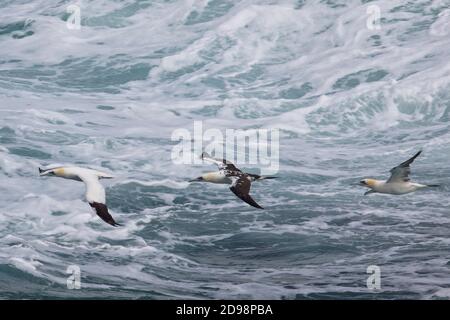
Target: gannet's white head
(58, 171)
(370, 183)
(214, 177)
(197, 179)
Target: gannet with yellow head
(95, 193)
(399, 183)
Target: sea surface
(354, 88)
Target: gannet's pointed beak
(196, 179)
(106, 177)
(43, 172)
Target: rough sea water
(352, 98)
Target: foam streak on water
(350, 102)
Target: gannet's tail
(266, 177)
(258, 177)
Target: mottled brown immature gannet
(228, 174)
(95, 193)
(399, 182)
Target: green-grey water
(350, 102)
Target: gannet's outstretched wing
(401, 172)
(241, 188)
(95, 195)
(223, 164)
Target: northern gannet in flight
(95, 193)
(228, 174)
(399, 182)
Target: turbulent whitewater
(351, 100)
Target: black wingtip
(248, 199)
(114, 224)
(409, 161)
(254, 205)
(103, 213)
(414, 157)
(41, 170)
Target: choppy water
(350, 101)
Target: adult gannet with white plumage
(228, 174)
(95, 193)
(399, 183)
